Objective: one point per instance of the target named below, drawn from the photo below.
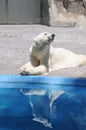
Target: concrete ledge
(15, 41)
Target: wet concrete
(15, 41)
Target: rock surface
(64, 13)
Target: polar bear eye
(45, 34)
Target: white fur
(44, 58)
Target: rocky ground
(15, 41)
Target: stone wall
(64, 13)
(44, 12)
(19, 11)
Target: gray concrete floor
(15, 41)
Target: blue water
(55, 108)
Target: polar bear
(45, 58)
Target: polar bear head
(44, 39)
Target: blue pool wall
(40, 80)
(25, 99)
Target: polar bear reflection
(43, 106)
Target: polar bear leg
(24, 68)
(41, 69)
(34, 61)
(28, 69)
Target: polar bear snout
(53, 35)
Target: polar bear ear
(35, 40)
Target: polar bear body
(45, 58)
(63, 58)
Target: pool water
(25, 105)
